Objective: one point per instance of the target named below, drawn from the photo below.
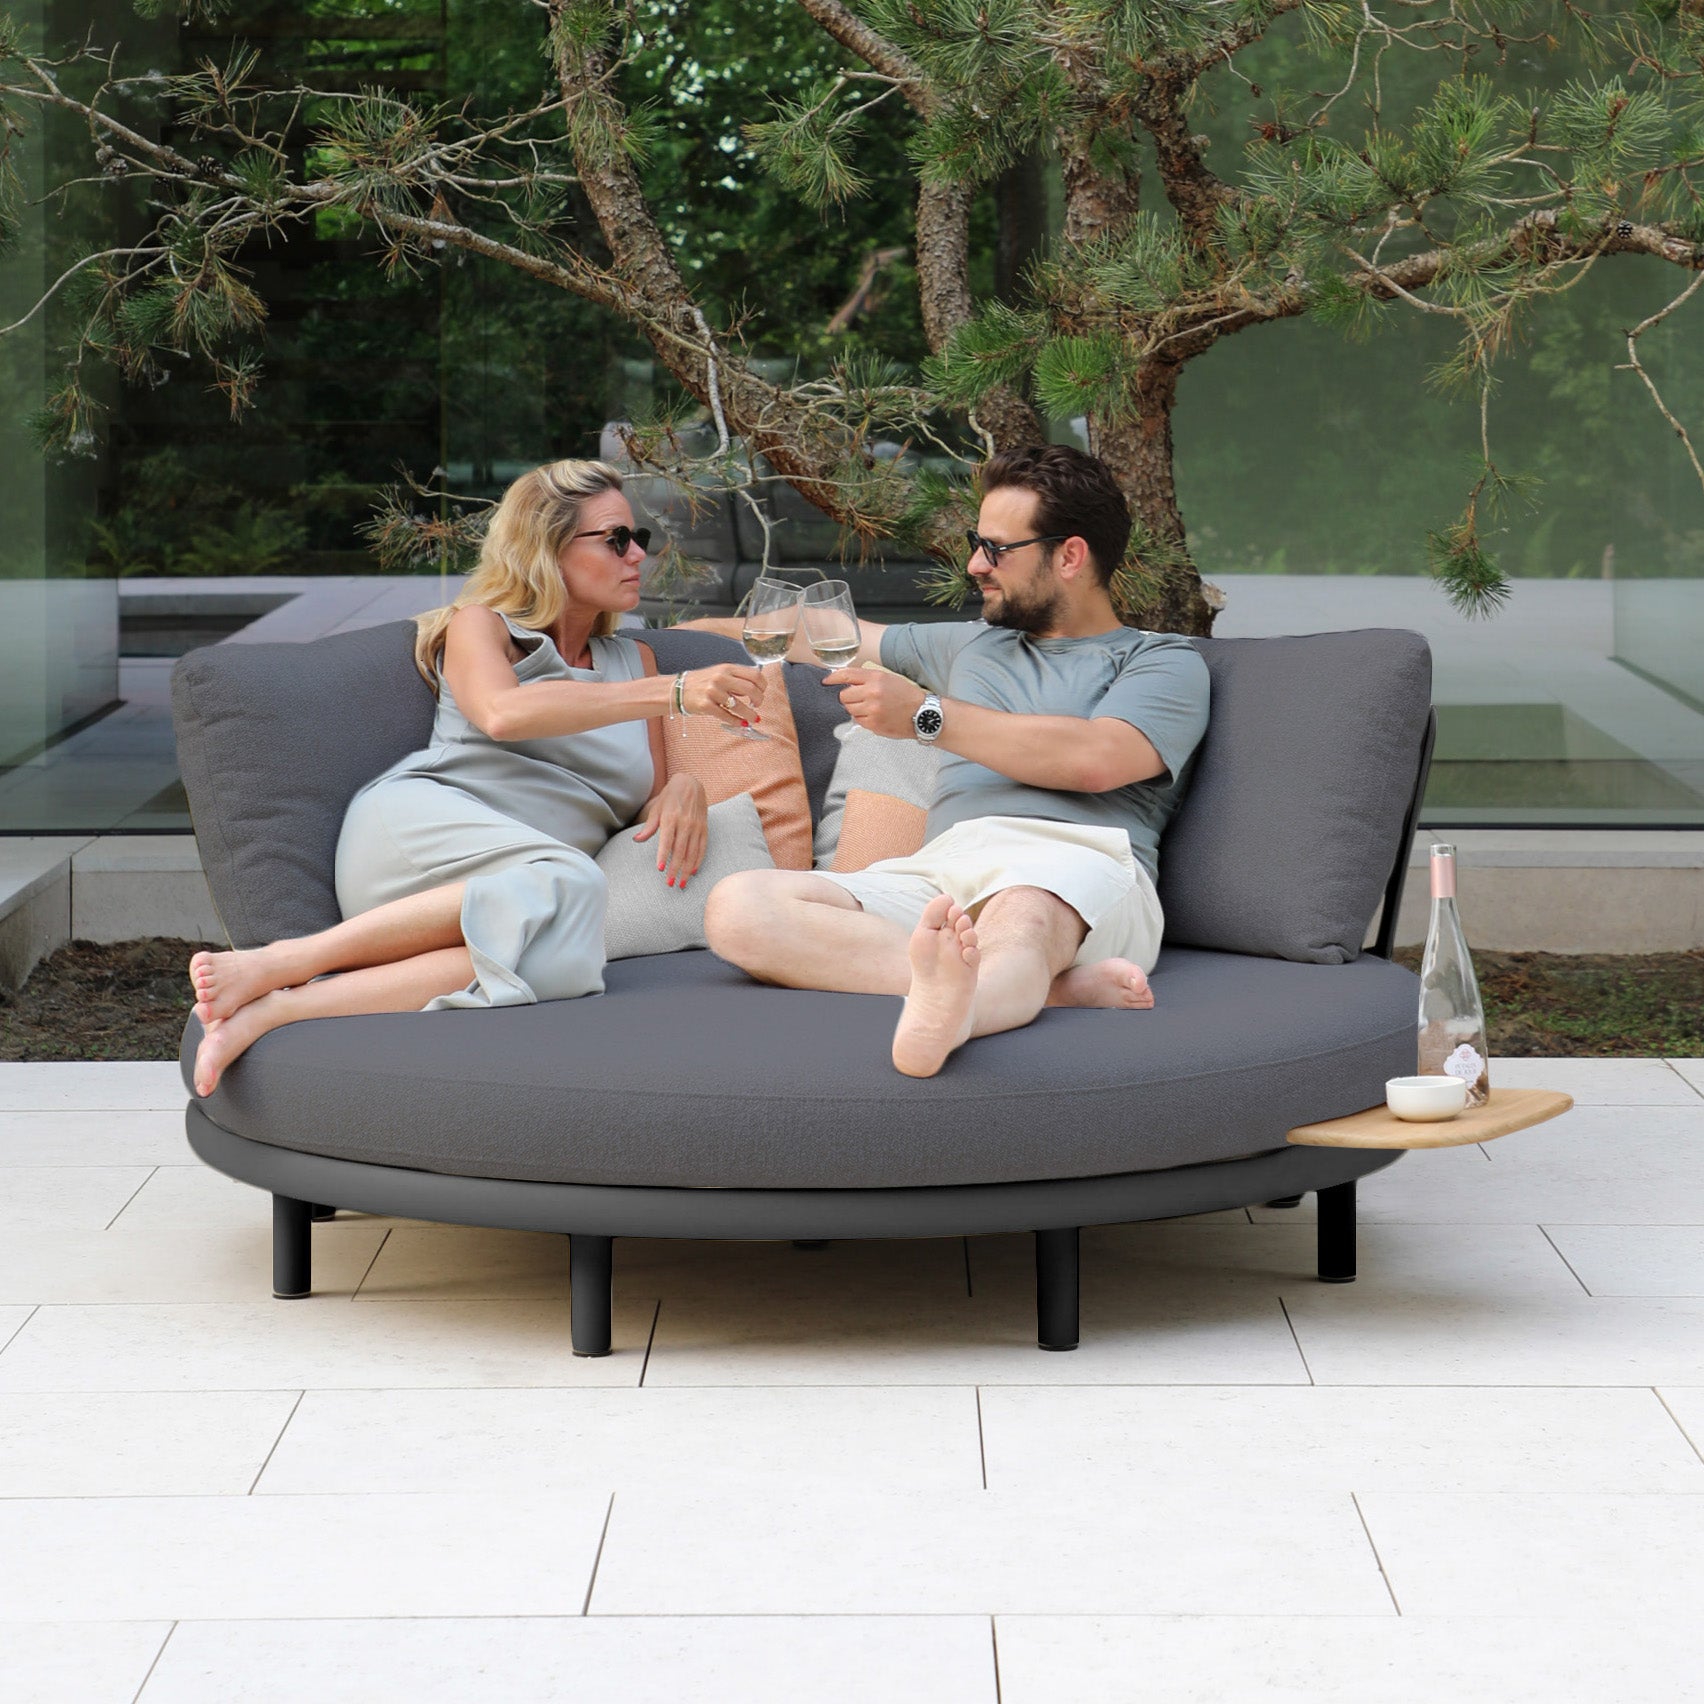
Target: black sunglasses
(619, 538)
(995, 551)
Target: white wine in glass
(771, 618)
(831, 623)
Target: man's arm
(1067, 754)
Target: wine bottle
(1452, 1018)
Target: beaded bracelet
(680, 694)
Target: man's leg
(799, 930)
(979, 980)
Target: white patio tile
(1634, 1260)
(123, 1086)
(116, 1444)
(1691, 1069)
(196, 1196)
(322, 1342)
(1334, 1440)
(834, 1329)
(648, 1660)
(1517, 1554)
(616, 1440)
(11, 1323)
(1379, 1338)
(1686, 1404)
(130, 1266)
(146, 1558)
(1120, 1261)
(66, 1198)
(1597, 1082)
(93, 1139)
(866, 1552)
(77, 1662)
(433, 1262)
(1220, 1659)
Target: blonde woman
(465, 872)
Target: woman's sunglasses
(995, 551)
(619, 538)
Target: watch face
(929, 721)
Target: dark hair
(1078, 497)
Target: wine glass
(831, 623)
(771, 618)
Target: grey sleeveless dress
(519, 823)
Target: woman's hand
(731, 692)
(678, 815)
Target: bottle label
(1464, 1063)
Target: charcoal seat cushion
(1294, 814)
(687, 1074)
(274, 740)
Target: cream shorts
(1092, 869)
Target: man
(1067, 740)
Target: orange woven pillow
(767, 769)
(877, 826)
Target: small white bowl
(1426, 1100)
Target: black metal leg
(1337, 1234)
(320, 1213)
(292, 1247)
(589, 1263)
(1056, 1289)
(1286, 1201)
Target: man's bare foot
(1115, 983)
(942, 998)
(226, 982)
(227, 1039)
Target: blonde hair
(517, 573)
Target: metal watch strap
(928, 720)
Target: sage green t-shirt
(1157, 682)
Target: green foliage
(1459, 562)
(998, 347)
(807, 145)
(1084, 375)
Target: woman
(465, 872)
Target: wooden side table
(1506, 1111)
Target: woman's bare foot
(1115, 983)
(227, 1039)
(942, 998)
(226, 982)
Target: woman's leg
(404, 986)
(387, 935)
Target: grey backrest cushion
(1295, 808)
(274, 740)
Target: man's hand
(875, 699)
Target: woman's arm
(481, 674)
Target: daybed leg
(1056, 1289)
(589, 1262)
(292, 1247)
(320, 1213)
(1337, 1234)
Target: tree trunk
(1139, 452)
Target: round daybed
(688, 1101)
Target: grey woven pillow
(1297, 796)
(645, 914)
(903, 769)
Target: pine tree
(1469, 198)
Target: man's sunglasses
(995, 551)
(619, 538)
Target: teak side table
(1506, 1111)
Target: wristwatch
(928, 721)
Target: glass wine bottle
(1452, 1018)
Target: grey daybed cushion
(274, 740)
(687, 1073)
(1290, 826)
(643, 914)
(901, 769)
